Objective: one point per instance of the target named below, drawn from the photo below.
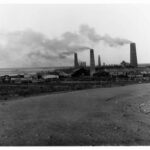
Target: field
(102, 116)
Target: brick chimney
(92, 62)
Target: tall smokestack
(92, 62)
(76, 64)
(99, 61)
(133, 56)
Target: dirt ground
(104, 116)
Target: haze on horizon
(45, 35)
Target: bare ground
(105, 116)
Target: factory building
(79, 72)
(118, 68)
(82, 64)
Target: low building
(82, 64)
(62, 74)
(50, 77)
(16, 78)
(80, 72)
(124, 64)
(5, 79)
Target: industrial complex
(77, 77)
(125, 71)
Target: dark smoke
(75, 49)
(96, 38)
(88, 36)
(27, 48)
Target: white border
(74, 1)
(77, 2)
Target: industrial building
(124, 69)
(93, 68)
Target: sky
(43, 35)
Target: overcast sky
(37, 35)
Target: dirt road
(105, 116)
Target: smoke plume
(91, 34)
(86, 37)
(28, 48)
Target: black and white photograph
(75, 74)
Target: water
(9, 71)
